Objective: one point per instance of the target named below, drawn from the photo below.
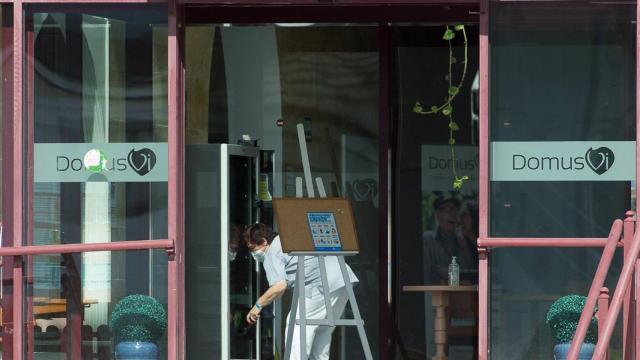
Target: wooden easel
(299, 295)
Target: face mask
(231, 255)
(258, 255)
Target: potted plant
(562, 318)
(138, 321)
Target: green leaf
(457, 182)
(459, 27)
(434, 109)
(452, 141)
(454, 126)
(447, 110)
(454, 90)
(417, 108)
(449, 35)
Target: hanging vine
(453, 90)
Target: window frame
(17, 201)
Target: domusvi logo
(142, 161)
(600, 160)
(563, 161)
(119, 162)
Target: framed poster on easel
(316, 225)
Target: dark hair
(253, 234)
(442, 200)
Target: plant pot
(136, 350)
(561, 351)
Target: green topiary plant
(138, 318)
(563, 317)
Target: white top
(283, 267)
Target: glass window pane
(98, 101)
(524, 284)
(6, 114)
(261, 81)
(563, 89)
(71, 301)
(433, 220)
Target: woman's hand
(253, 315)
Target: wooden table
(440, 301)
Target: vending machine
(223, 281)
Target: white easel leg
(354, 308)
(302, 307)
(304, 156)
(291, 326)
(325, 286)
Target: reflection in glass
(69, 308)
(261, 81)
(433, 221)
(561, 72)
(99, 77)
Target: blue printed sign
(324, 231)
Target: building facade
(139, 138)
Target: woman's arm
(274, 292)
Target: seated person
(455, 235)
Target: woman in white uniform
(281, 268)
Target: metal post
(636, 309)
(603, 311)
(483, 304)
(628, 312)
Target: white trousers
(318, 337)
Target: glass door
(561, 165)
(221, 277)
(436, 188)
(257, 81)
(95, 136)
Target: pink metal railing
(616, 302)
(603, 311)
(594, 291)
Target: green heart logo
(600, 160)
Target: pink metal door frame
(483, 196)
(17, 171)
(176, 279)
(16, 216)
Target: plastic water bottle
(454, 272)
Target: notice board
(315, 225)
